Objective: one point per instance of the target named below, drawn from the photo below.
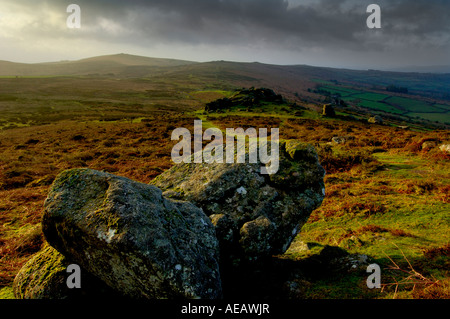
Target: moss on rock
(131, 237)
(255, 215)
(42, 277)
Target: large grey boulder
(255, 215)
(132, 238)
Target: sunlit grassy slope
(399, 212)
(385, 198)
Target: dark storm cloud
(321, 23)
(237, 22)
(294, 25)
(324, 23)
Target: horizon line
(400, 69)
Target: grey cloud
(325, 23)
(295, 25)
(320, 22)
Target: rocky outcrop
(246, 98)
(255, 215)
(328, 110)
(132, 238)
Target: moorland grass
(385, 196)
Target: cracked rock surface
(131, 237)
(255, 215)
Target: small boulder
(342, 139)
(338, 140)
(445, 148)
(44, 276)
(375, 119)
(427, 145)
(131, 237)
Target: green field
(370, 96)
(410, 107)
(344, 92)
(380, 106)
(442, 106)
(439, 117)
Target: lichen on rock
(131, 237)
(44, 276)
(255, 215)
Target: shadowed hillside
(109, 65)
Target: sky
(330, 33)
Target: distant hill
(288, 80)
(425, 69)
(291, 79)
(119, 65)
(134, 60)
